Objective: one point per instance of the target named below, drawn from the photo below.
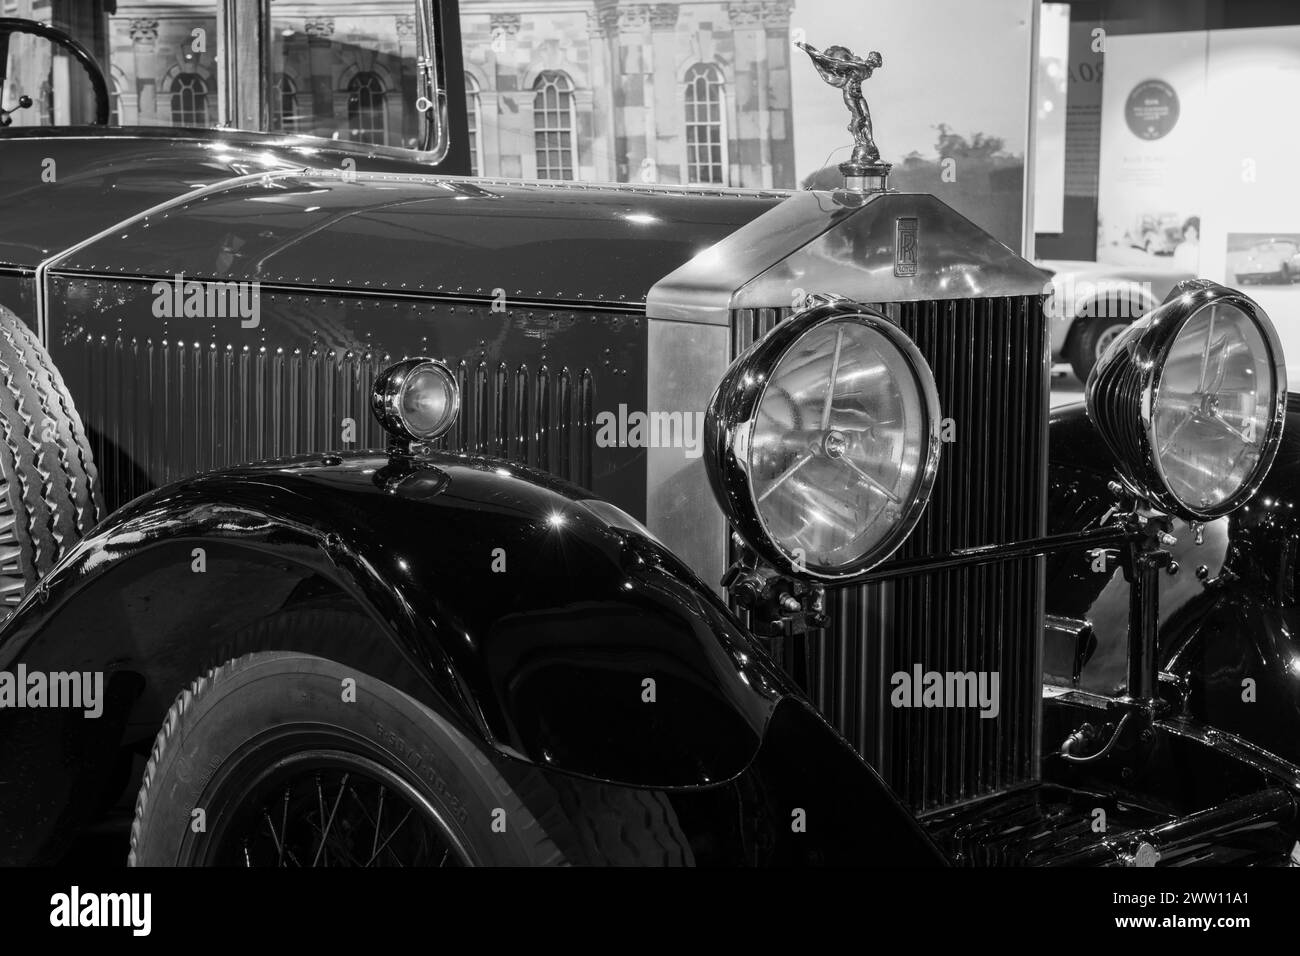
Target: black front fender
(544, 622)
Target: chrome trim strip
(437, 142)
(273, 287)
(646, 189)
(294, 141)
(1250, 753)
(43, 269)
(228, 68)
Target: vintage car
(1269, 261)
(360, 512)
(1091, 303)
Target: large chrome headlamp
(823, 441)
(1191, 400)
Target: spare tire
(49, 489)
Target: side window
(347, 71)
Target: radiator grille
(157, 411)
(991, 362)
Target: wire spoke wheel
(328, 808)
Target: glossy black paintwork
(106, 176)
(1214, 634)
(417, 234)
(385, 251)
(546, 657)
(853, 820)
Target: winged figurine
(842, 69)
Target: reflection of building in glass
(344, 75)
(163, 72)
(349, 76)
(689, 92)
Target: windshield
(336, 69)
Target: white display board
(1151, 187)
(1252, 226)
(1227, 158)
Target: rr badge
(905, 246)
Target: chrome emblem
(844, 71)
(838, 66)
(905, 238)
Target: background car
(1090, 303)
(1273, 260)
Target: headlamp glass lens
(428, 401)
(839, 444)
(1214, 406)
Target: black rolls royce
(358, 511)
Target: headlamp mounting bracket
(778, 605)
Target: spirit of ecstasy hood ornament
(838, 66)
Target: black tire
(260, 712)
(1087, 337)
(49, 489)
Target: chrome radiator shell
(990, 361)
